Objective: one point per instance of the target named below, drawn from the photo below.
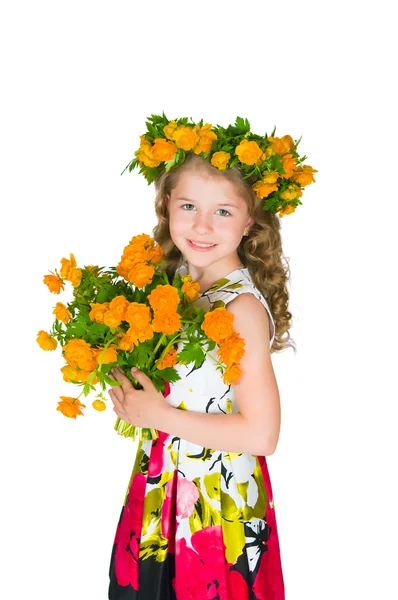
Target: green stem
(208, 354)
(105, 347)
(164, 351)
(159, 343)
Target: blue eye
(184, 205)
(224, 211)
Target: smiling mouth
(202, 244)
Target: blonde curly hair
(260, 251)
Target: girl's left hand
(142, 408)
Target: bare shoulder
(256, 390)
(251, 319)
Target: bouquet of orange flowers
(131, 316)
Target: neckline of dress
(221, 278)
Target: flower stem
(159, 343)
(129, 430)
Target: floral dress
(198, 523)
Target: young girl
(198, 520)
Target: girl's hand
(142, 408)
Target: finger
(116, 384)
(118, 391)
(121, 378)
(117, 404)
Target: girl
(198, 520)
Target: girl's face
(207, 210)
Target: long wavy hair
(260, 251)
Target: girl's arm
(255, 429)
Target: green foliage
(242, 125)
(169, 374)
(99, 285)
(228, 138)
(192, 352)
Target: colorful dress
(198, 523)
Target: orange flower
(67, 266)
(249, 153)
(206, 138)
(288, 164)
(166, 323)
(291, 192)
(163, 150)
(71, 373)
(217, 324)
(263, 190)
(46, 341)
(136, 254)
(231, 374)
(190, 288)
(269, 151)
(281, 145)
(54, 283)
(141, 275)
(185, 137)
(111, 320)
(144, 154)
(142, 240)
(170, 129)
(75, 277)
(107, 356)
(70, 407)
(164, 299)
(287, 210)
(125, 265)
(155, 255)
(232, 349)
(138, 315)
(75, 374)
(62, 313)
(140, 335)
(78, 353)
(83, 376)
(220, 160)
(98, 311)
(271, 177)
(304, 175)
(99, 405)
(169, 360)
(118, 307)
(126, 342)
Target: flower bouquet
(132, 316)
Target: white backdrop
(79, 80)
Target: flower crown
(272, 162)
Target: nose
(202, 223)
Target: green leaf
(276, 163)
(242, 125)
(191, 353)
(234, 161)
(169, 374)
(153, 132)
(107, 379)
(143, 354)
(178, 158)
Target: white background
(79, 80)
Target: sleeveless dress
(198, 523)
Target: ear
(249, 222)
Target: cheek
(179, 221)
